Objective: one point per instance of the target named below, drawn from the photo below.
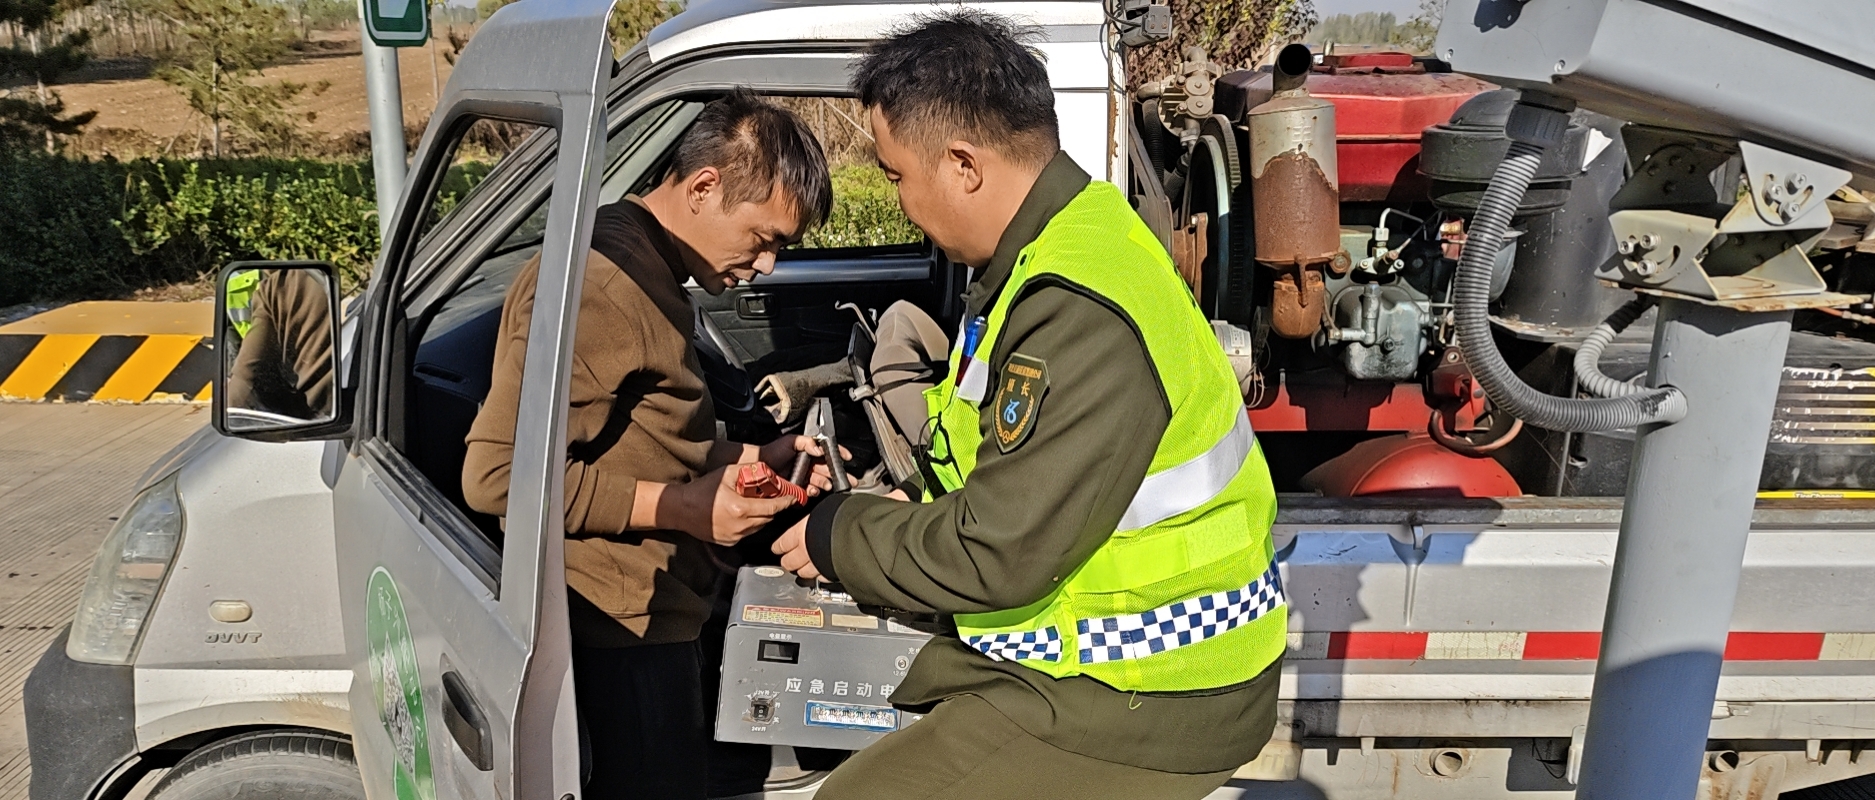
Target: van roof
(708, 23)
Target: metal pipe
(384, 97)
(1691, 490)
(1292, 67)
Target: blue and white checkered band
(1042, 645)
(1182, 623)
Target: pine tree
(34, 115)
(225, 45)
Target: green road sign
(397, 23)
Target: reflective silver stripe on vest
(1182, 623)
(1167, 494)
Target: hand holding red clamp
(760, 480)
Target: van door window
(452, 365)
(865, 205)
(449, 371)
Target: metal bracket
(1143, 22)
(1786, 191)
(1576, 739)
(1674, 237)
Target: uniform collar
(1057, 186)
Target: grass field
(139, 115)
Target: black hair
(757, 145)
(963, 74)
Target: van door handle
(754, 305)
(467, 723)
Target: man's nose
(765, 263)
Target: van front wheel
(275, 765)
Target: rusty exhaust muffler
(1295, 195)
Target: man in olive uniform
(1095, 511)
(284, 364)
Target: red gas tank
(1383, 100)
(1409, 465)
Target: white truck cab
(320, 593)
(291, 596)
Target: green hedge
(865, 212)
(85, 229)
(191, 219)
(58, 231)
(78, 229)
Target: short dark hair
(757, 145)
(963, 74)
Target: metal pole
(1691, 490)
(385, 97)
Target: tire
(270, 765)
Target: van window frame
(449, 251)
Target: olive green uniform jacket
(1027, 518)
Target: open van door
(462, 686)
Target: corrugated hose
(1536, 123)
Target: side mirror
(277, 347)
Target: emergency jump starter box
(803, 666)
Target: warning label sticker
(780, 615)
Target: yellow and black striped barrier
(110, 352)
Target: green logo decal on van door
(399, 687)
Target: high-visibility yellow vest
(240, 301)
(1185, 595)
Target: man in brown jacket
(650, 490)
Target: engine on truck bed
(1317, 208)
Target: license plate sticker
(848, 716)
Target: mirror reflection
(278, 337)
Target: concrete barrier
(122, 352)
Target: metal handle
(466, 722)
(753, 305)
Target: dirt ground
(140, 115)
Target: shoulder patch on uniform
(1019, 393)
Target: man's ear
(967, 162)
(700, 186)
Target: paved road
(66, 471)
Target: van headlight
(127, 576)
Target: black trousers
(641, 711)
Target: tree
(631, 20)
(35, 115)
(1422, 31)
(1235, 33)
(224, 46)
(1367, 27)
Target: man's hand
(712, 510)
(792, 547)
(781, 453)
